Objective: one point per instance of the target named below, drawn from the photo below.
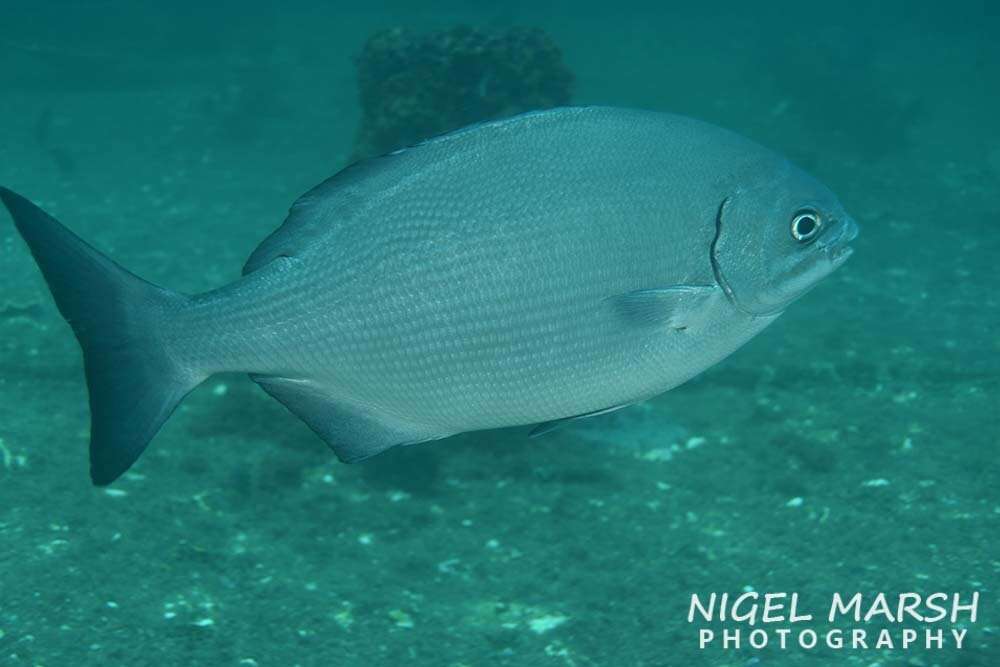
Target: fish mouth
(839, 255)
(838, 250)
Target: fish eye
(806, 225)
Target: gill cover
(757, 261)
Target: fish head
(777, 237)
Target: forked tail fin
(133, 383)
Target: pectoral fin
(676, 306)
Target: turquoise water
(850, 447)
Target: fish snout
(838, 249)
(849, 231)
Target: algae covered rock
(418, 85)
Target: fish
(550, 266)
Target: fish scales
(534, 269)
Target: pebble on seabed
(543, 624)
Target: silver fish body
(533, 269)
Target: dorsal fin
(313, 213)
(332, 201)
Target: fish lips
(838, 249)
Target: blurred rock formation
(417, 85)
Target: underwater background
(852, 446)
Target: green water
(851, 447)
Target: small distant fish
(13, 311)
(550, 266)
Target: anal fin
(353, 432)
